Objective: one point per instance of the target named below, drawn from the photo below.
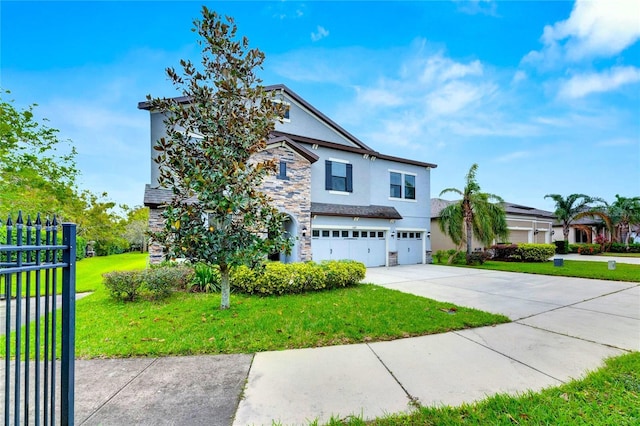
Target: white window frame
(402, 187)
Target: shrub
(275, 278)
(205, 279)
(589, 249)
(439, 256)
(343, 273)
(160, 282)
(505, 251)
(574, 248)
(535, 252)
(243, 279)
(155, 283)
(477, 257)
(123, 285)
(561, 247)
(621, 248)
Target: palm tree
(568, 208)
(624, 212)
(474, 215)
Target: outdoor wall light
(428, 234)
(393, 235)
(304, 231)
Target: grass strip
(571, 268)
(608, 396)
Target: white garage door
(409, 247)
(366, 246)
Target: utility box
(558, 262)
(612, 265)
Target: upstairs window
(402, 185)
(282, 170)
(338, 176)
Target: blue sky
(544, 96)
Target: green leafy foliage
(217, 215)
(205, 279)
(622, 248)
(535, 252)
(154, 283)
(589, 249)
(279, 278)
(123, 285)
(569, 208)
(451, 257)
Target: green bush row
(269, 279)
(535, 252)
(524, 252)
(278, 278)
(621, 248)
(153, 283)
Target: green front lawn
(571, 268)
(192, 323)
(88, 273)
(609, 396)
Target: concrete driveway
(563, 328)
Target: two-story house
(343, 199)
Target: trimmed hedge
(535, 252)
(524, 252)
(621, 248)
(279, 278)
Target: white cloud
(519, 76)
(594, 29)
(513, 156)
(474, 7)
(618, 142)
(320, 34)
(582, 85)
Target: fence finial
(38, 220)
(19, 219)
(55, 221)
(9, 222)
(29, 220)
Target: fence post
(68, 323)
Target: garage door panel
(409, 248)
(366, 246)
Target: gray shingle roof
(372, 211)
(437, 204)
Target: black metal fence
(36, 264)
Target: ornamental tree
(217, 214)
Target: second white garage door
(409, 247)
(366, 246)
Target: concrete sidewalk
(563, 328)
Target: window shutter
(349, 178)
(327, 176)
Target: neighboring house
(583, 230)
(343, 199)
(526, 225)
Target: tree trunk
(469, 238)
(225, 288)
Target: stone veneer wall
(291, 195)
(156, 222)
